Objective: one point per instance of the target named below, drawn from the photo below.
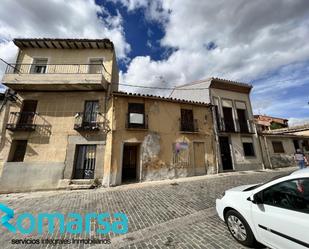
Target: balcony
(188, 125)
(21, 121)
(244, 127)
(50, 77)
(137, 122)
(84, 121)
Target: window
(187, 121)
(18, 151)
(39, 65)
(181, 154)
(228, 119)
(248, 149)
(136, 115)
(90, 112)
(306, 145)
(292, 194)
(242, 119)
(95, 66)
(296, 144)
(85, 157)
(278, 147)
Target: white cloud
(154, 9)
(252, 39)
(298, 121)
(59, 18)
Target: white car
(275, 213)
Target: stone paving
(168, 214)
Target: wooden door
(226, 158)
(199, 158)
(129, 163)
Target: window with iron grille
(85, 157)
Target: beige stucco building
(56, 129)
(158, 138)
(238, 146)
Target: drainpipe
(216, 140)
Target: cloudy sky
(171, 42)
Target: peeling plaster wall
(282, 160)
(279, 160)
(157, 143)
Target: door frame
(76, 151)
(232, 156)
(205, 156)
(138, 161)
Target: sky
(166, 43)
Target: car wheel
(239, 228)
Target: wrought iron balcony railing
(131, 124)
(229, 126)
(55, 69)
(189, 125)
(21, 121)
(88, 121)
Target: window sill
(250, 157)
(189, 132)
(137, 129)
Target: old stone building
(158, 138)
(279, 145)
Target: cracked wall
(159, 154)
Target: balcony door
(187, 120)
(39, 66)
(84, 162)
(90, 112)
(27, 112)
(226, 158)
(228, 119)
(242, 119)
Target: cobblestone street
(168, 214)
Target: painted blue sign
(73, 223)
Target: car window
(291, 194)
(261, 184)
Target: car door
(282, 221)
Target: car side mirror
(257, 198)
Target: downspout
(215, 132)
